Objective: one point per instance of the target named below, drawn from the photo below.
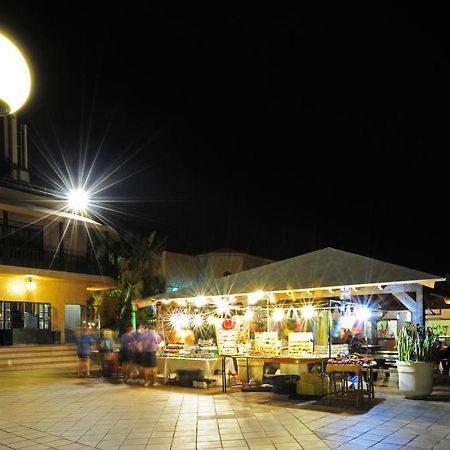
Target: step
(29, 354)
(43, 359)
(16, 349)
(55, 365)
(20, 357)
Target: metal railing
(52, 260)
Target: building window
(25, 315)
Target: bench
(390, 362)
(385, 370)
(390, 357)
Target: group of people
(137, 358)
(137, 355)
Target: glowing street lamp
(15, 78)
(78, 200)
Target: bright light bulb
(78, 200)
(307, 311)
(184, 320)
(222, 306)
(200, 301)
(15, 78)
(348, 321)
(248, 314)
(197, 320)
(363, 313)
(31, 285)
(175, 320)
(211, 320)
(254, 297)
(278, 315)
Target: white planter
(415, 379)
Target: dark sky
(271, 131)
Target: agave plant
(417, 343)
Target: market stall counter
(300, 362)
(172, 364)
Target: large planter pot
(415, 379)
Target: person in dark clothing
(126, 344)
(355, 344)
(150, 341)
(444, 356)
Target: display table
(170, 364)
(348, 383)
(270, 360)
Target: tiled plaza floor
(41, 409)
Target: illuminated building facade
(47, 264)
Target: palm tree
(139, 265)
(138, 261)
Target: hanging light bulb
(197, 320)
(211, 320)
(200, 301)
(307, 311)
(254, 297)
(348, 321)
(248, 314)
(222, 306)
(277, 315)
(363, 313)
(184, 320)
(175, 320)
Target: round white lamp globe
(15, 78)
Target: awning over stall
(325, 273)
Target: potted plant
(417, 347)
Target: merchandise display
(192, 351)
(300, 344)
(238, 343)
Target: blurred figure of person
(84, 352)
(126, 344)
(136, 356)
(150, 340)
(106, 350)
(356, 342)
(443, 356)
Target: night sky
(270, 131)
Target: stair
(21, 357)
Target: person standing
(106, 350)
(150, 340)
(126, 344)
(84, 352)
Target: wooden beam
(420, 310)
(415, 306)
(406, 300)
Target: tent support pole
(329, 328)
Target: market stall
(242, 341)
(308, 309)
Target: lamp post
(15, 78)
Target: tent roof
(327, 268)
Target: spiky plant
(417, 343)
